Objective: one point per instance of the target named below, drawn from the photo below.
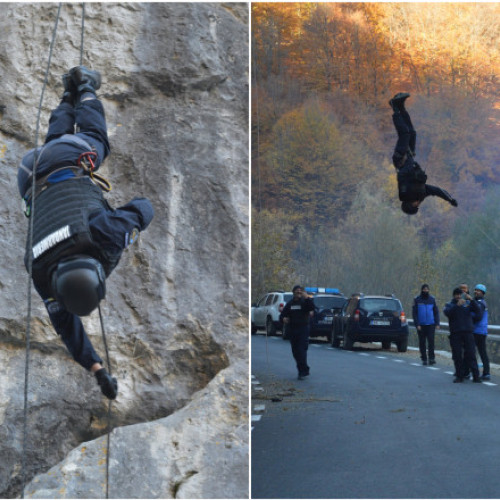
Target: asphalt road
(370, 424)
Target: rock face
(175, 91)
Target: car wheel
(270, 328)
(402, 344)
(386, 344)
(348, 343)
(254, 329)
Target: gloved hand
(109, 384)
(453, 202)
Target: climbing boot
(398, 101)
(108, 384)
(85, 80)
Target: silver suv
(266, 312)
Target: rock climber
(77, 237)
(412, 179)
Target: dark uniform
(411, 178)
(71, 214)
(298, 313)
(461, 336)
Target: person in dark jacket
(426, 320)
(296, 316)
(481, 329)
(412, 187)
(460, 312)
(77, 237)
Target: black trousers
(426, 341)
(480, 341)
(463, 351)
(90, 121)
(299, 340)
(407, 136)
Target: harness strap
(79, 171)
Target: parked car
(371, 318)
(265, 314)
(326, 306)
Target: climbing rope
(83, 31)
(108, 439)
(30, 268)
(30, 259)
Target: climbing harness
(86, 162)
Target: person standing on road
(426, 320)
(460, 311)
(481, 329)
(296, 315)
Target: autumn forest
(325, 208)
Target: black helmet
(408, 208)
(79, 284)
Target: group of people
(468, 324)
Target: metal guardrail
(493, 330)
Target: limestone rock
(175, 91)
(173, 457)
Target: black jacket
(460, 317)
(298, 312)
(412, 184)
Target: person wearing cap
(460, 312)
(412, 187)
(426, 320)
(481, 329)
(77, 238)
(296, 315)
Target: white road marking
(399, 361)
(256, 418)
(450, 373)
(381, 357)
(258, 408)
(415, 364)
(363, 353)
(432, 368)
(488, 383)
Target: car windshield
(375, 305)
(329, 302)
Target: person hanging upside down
(412, 179)
(78, 238)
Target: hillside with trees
(325, 209)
